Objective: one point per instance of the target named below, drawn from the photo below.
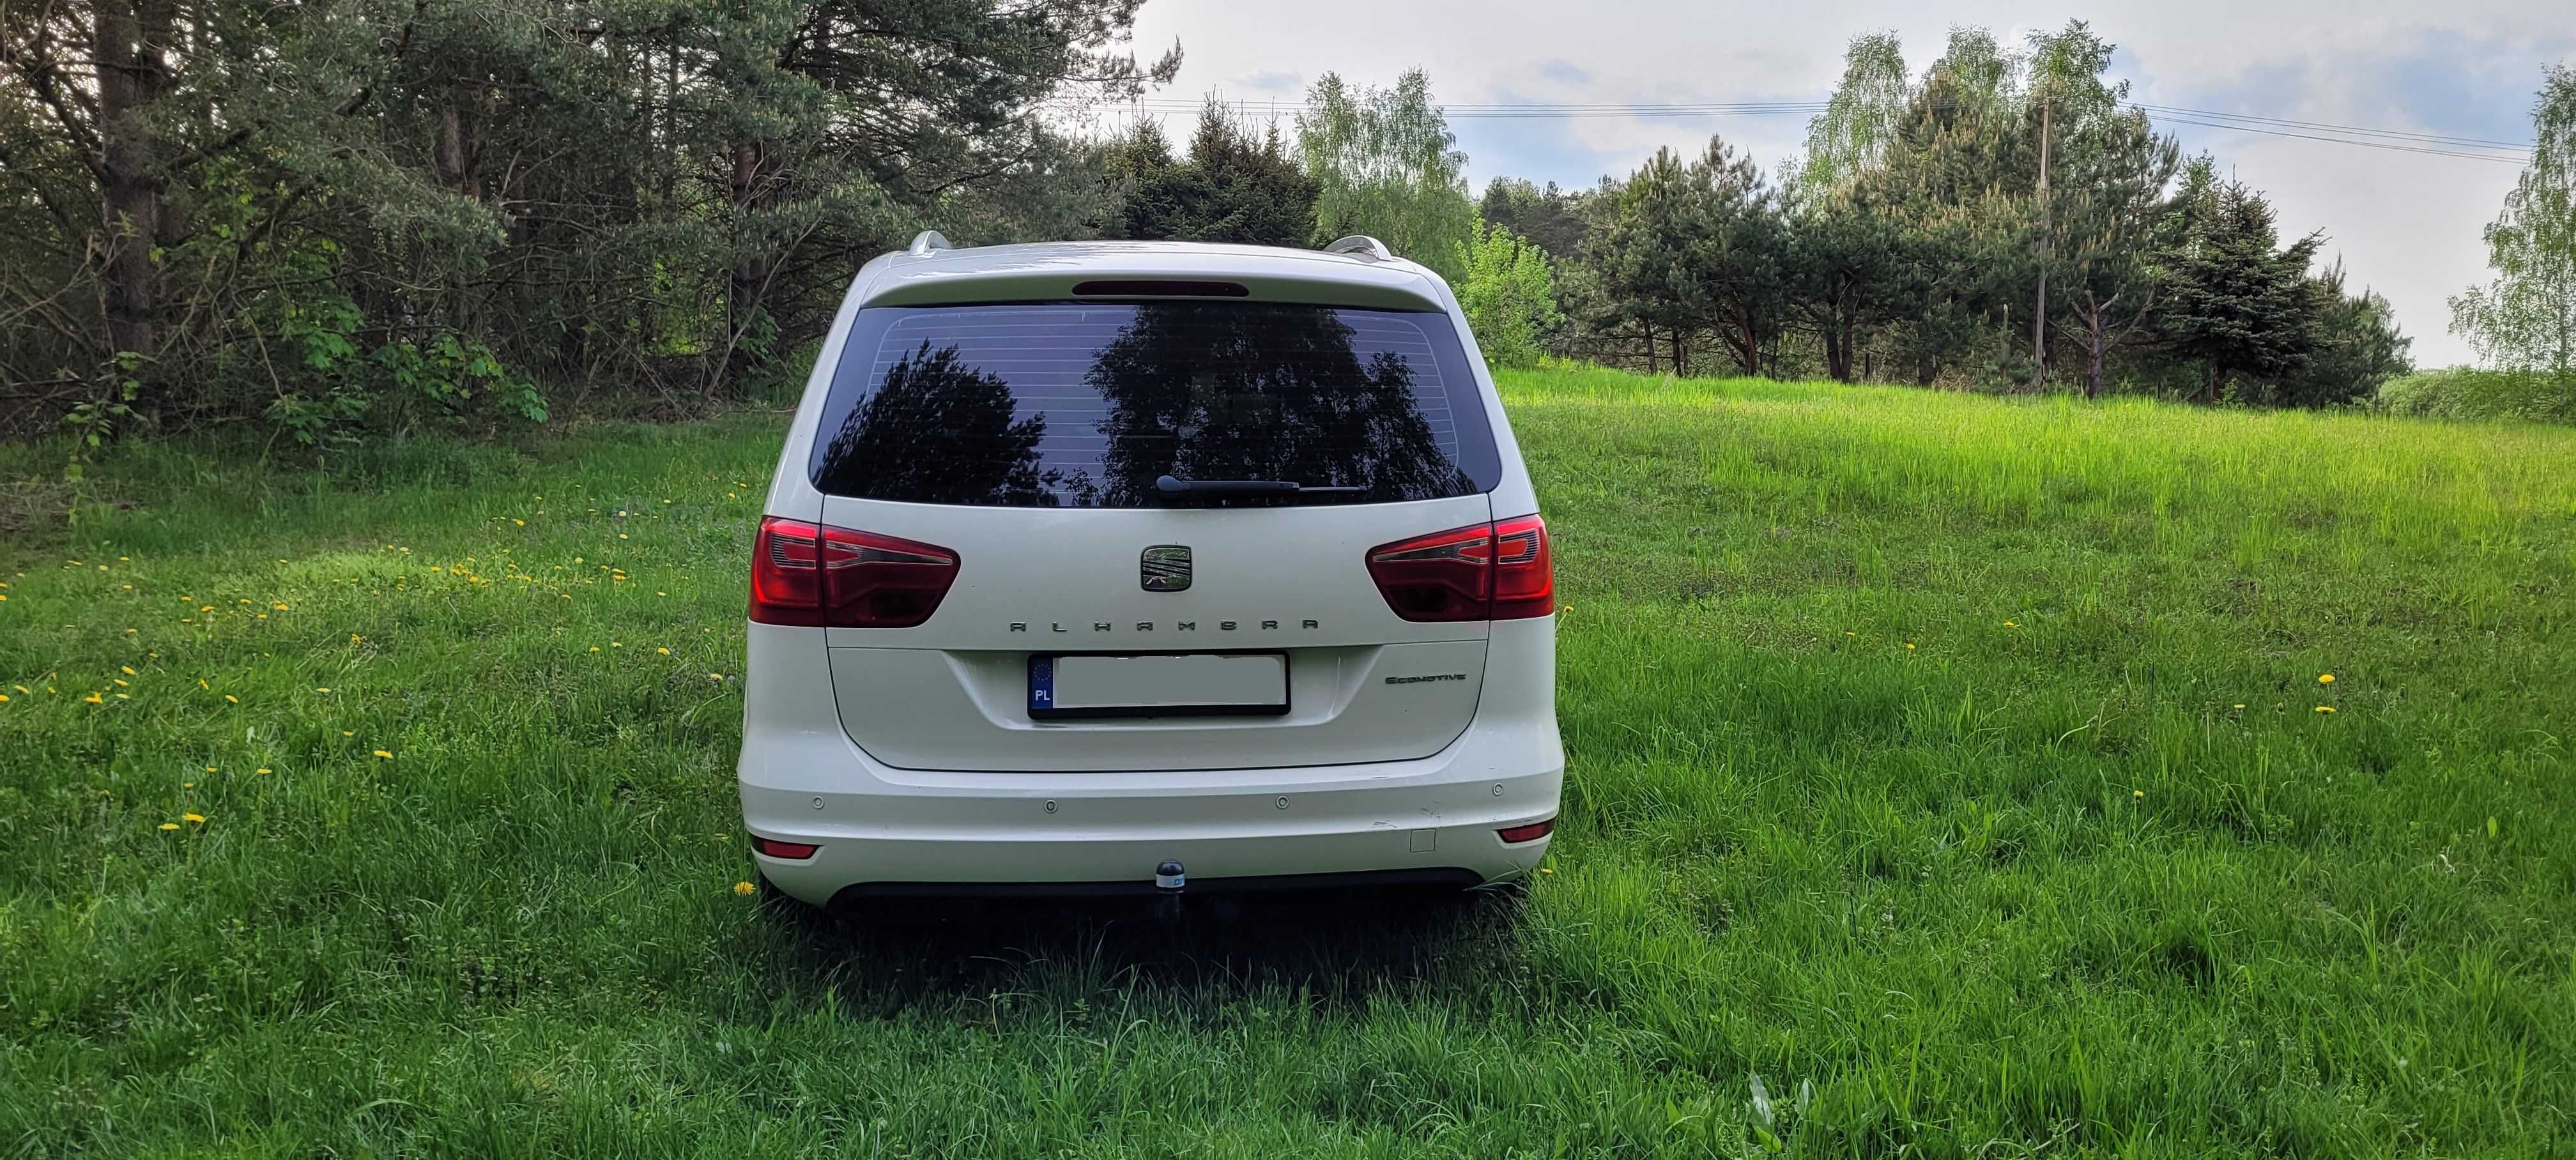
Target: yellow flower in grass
(2325, 708)
(321, 688)
(387, 754)
(230, 699)
(95, 699)
(744, 888)
(663, 651)
(128, 670)
(169, 825)
(2325, 678)
(261, 769)
(200, 819)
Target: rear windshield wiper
(1225, 488)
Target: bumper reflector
(777, 849)
(1529, 833)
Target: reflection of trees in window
(1242, 391)
(939, 431)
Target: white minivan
(1099, 567)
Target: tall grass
(1954, 765)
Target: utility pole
(2039, 310)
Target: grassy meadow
(1962, 773)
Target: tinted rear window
(1084, 404)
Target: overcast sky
(2404, 224)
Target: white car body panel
(910, 757)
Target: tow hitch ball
(1168, 881)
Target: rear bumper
(901, 831)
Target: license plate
(1161, 685)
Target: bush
(2474, 394)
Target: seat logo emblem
(1165, 567)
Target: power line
(2432, 137)
(2396, 140)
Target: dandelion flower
(663, 651)
(743, 888)
(169, 825)
(24, 689)
(2238, 705)
(261, 769)
(387, 754)
(4, 698)
(2012, 624)
(521, 523)
(120, 682)
(212, 769)
(1546, 870)
(230, 699)
(123, 697)
(2325, 708)
(715, 676)
(2325, 678)
(348, 733)
(200, 819)
(321, 688)
(1909, 644)
(2138, 793)
(594, 648)
(128, 670)
(94, 699)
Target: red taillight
(1524, 576)
(1497, 571)
(1529, 833)
(777, 849)
(817, 575)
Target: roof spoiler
(1363, 247)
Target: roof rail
(1363, 247)
(927, 241)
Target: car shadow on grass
(1331, 946)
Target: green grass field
(1962, 768)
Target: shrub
(2476, 394)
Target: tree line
(358, 217)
